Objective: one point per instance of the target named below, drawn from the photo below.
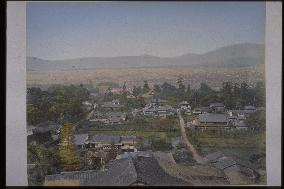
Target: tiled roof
(213, 118)
(249, 108)
(224, 163)
(202, 109)
(46, 127)
(111, 105)
(184, 103)
(106, 139)
(115, 114)
(80, 139)
(127, 138)
(123, 172)
(213, 157)
(149, 172)
(217, 104)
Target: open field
(135, 76)
(160, 128)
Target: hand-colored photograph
(145, 93)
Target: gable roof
(224, 163)
(105, 139)
(213, 157)
(184, 103)
(111, 105)
(213, 118)
(123, 172)
(127, 138)
(79, 139)
(216, 104)
(202, 109)
(249, 108)
(149, 172)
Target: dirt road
(195, 155)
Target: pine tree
(146, 87)
(69, 159)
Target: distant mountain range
(238, 55)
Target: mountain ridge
(236, 55)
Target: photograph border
(16, 138)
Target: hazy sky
(85, 29)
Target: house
(109, 117)
(201, 110)
(163, 111)
(130, 96)
(86, 103)
(30, 130)
(105, 142)
(153, 109)
(211, 121)
(99, 117)
(184, 105)
(237, 171)
(114, 104)
(118, 90)
(116, 117)
(87, 106)
(240, 114)
(218, 107)
(150, 109)
(148, 94)
(137, 112)
(241, 125)
(213, 157)
(249, 109)
(48, 126)
(131, 170)
(120, 115)
(158, 101)
(79, 140)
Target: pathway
(195, 155)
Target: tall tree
(227, 90)
(157, 89)
(137, 91)
(244, 94)
(181, 88)
(69, 159)
(260, 94)
(146, 87)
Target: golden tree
(69, 159)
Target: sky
(66, 30)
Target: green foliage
(112, 153)
(137, 91)
(259, 91)
(183, 157)
(160, 144)
(55, 102)
(146, 87)
(38, 154)
(157, 89)
(256, 121)
(258, 159)
(69, 159)
(181, 88)
(36, 174)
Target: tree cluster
(233, 95)
(55, 103)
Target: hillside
(238, 55)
